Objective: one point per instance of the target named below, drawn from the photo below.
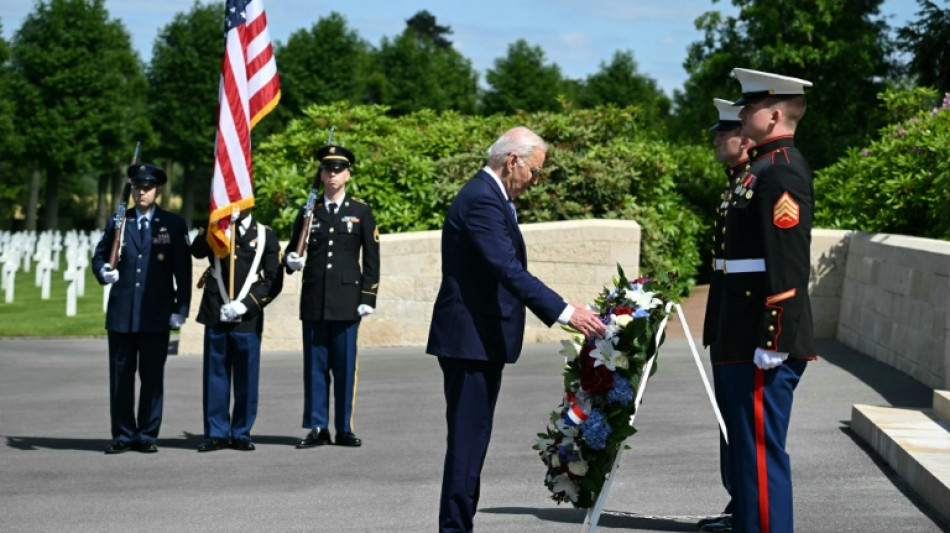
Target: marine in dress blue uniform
(763, 326)
(732, 151)
(232, 341)
(340, 281)
(479, 314)
(150, 294)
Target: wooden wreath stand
(593, 514)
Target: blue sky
(577, 35)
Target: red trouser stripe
(762, 469)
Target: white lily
(605, 353)
(570, 349)
(562, 483)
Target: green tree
(184, 77)
(424, 25)
(926, 40)
(326, 64)
(415, 71)
(522, 81)
(81, 85)
(11, 183)
(841, 46)
(620, 84)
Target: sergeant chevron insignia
(785, 212)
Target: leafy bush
(602, 163)
(900, 183)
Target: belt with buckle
(739, 266)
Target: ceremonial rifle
(120, 214)
(308, 209)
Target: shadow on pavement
(897, 388)
(611, 519)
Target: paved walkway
(54, 424)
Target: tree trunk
(51, 204)
(188, 197)
(102, 194)
(34, 199)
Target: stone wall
(895, 304)
(575, 258)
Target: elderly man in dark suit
(479, 314)
(150, 295)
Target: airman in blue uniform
(150, 295)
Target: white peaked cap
(757, 84)
(728, 115)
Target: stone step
(942, 404)
(915, 443)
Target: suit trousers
(723, 444)
(128, 352)
(758, 407)
(230, 355)
(471, 392)
(329, 347)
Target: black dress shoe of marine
(118, 446)
(146, 446)
(316, 437)
(709, 520)
(210, 445)
(348, 439)
(723, 524)
(245, 445)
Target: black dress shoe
(245, 445)
(210, 445)
(708, 520)
(348, 439)
(146, 446)
(723, 524)
(118, 446)
(316, 437)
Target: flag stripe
(249, 89)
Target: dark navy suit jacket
(479, 312)
(154, 274)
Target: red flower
(623, 310)
(596, 380)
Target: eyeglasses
(535, 172)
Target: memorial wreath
(601, 379)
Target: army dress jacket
(154, 273)
(337, 279)
(267, 284)
(768, 216)
(714, 298)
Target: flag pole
(235, 213)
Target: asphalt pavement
(54, 422)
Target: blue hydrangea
(622, 392)
(640, 313)
(596, 430)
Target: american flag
(249, 90)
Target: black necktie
(143, 228)
(332, 209)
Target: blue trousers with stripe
(757, 409)
(329, 348)
(230, 355)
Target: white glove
(364, 310)
(295, 262)
(108, 275)
(176, 321)
(766, 359)
(230, 312)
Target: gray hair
(520, 141)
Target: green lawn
(30, 316)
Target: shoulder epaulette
(359, 201)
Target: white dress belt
(739, 266)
